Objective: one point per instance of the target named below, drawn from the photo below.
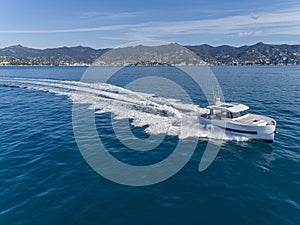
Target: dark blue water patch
(45, 180)
(129, 74)
(139, 132)
(127, 155)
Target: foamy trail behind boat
(160, 115)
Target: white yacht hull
(259, 132)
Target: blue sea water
(45, 180)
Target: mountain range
(258, 54)
(20, 55)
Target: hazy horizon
(85, 46)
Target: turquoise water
(45, 180)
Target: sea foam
(160, 115)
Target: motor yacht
(234, 118)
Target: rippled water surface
(45, 180)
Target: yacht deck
(252, 119)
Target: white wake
(160, 115)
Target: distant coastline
(258, 54)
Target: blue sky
(111, 23)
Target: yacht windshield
(239, 114)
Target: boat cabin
(222, 110)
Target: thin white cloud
(249, 33)
(286, 22)
(100, 15)
(76, 30)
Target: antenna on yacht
(218, 93)
(216, 99)
(213, 92)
